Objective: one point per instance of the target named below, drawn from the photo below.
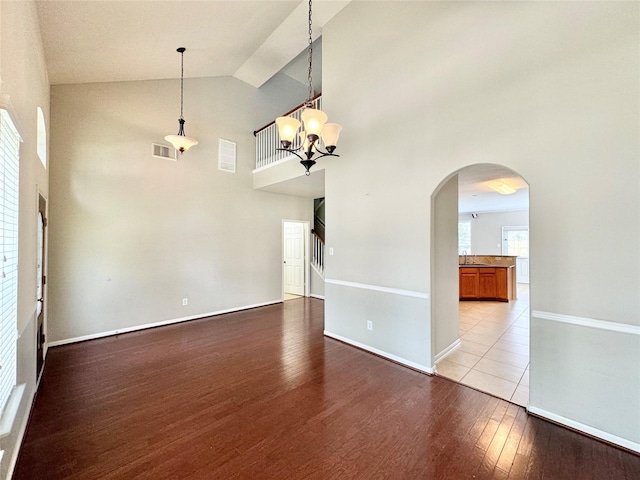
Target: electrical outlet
(369, 325)
(185, 301)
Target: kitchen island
(487, 277)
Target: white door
(515, 241)
(522, 270)
(293, 257)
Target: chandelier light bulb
(287, 126)
(313, 120)
(330, 135)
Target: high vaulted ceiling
(87, 41)
(109, 41)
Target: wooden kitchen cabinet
(469, 283)
(485, 283)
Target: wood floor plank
(262, 394)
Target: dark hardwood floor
(261, 394)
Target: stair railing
(268, 139)
(317, 253)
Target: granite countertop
(484, 265)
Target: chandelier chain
(310, 76)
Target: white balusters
(268, 139)
(317, 254)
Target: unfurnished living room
(311, 240)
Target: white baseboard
(594, 432)
(20, 437)
(157, 324)
(319, 297)
(395, 358)
(447, 351)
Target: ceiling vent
(164, 151)
(226, 156)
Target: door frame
(305, 229)
(506, 228)
(41, 198)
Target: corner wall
(505, 83)
(24, 87)
(132, 235)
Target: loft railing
(268, 140)
(317, 253)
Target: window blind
(9, 170)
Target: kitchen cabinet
(485, 282)
(469, 283)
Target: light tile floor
(493, 355)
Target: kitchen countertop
(484, 265)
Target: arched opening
(42, 138)
(479, 277)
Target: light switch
(331, 251)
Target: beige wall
(24, 87)
(132, 235)
(426, 88)
(486, 229)
(445, 272)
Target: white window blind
(9, 156)
(464, 238)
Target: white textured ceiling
(108, 41)
(474, 195)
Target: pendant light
(181, 142)
(314, 126)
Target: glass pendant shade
(313, 120)
(287, 126)
(181, 143)
(330, 134)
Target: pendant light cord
(181, 81)
(310, 76)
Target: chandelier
(314, 129)
(181, 142)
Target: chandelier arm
(295, 152)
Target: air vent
(226, 156)
(164, 151)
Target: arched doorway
(481, 341)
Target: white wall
(132, 235)
(426, 88)
(486, 229)
(445, 272)
(24, 87)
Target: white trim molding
(157, 324)
(364, 286)
(381, 353)
(11, 410)
(319, 297)
(580, 427)
(588, 322)
(447, 351)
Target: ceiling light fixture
(501, 187)
(314, 128)
(181, 142)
